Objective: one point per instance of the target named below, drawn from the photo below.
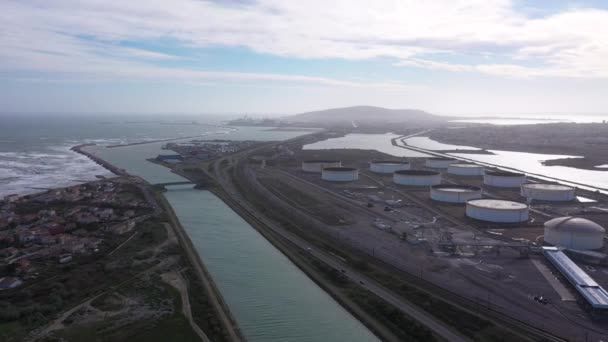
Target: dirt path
(57, 324)
(175, 279)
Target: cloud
(93, 37)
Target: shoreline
(108, 166)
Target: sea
(35, 149)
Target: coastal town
(102, 255)
(62, 225)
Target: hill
(362, 114)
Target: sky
(463, 57)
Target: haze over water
(35, 148)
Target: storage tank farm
(499, 211)
(503, 179)
(548, 192)
(317, 165)
(574, 233)
(340, 174)
(452, 193)
(388, 166)
(439, 162)
(458, 169)
(417, 177)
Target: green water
(271, 299)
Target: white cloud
(87, 37)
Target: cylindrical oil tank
(439, 162)
(548, 192)
(388, 166)
(503, 179)
(340, 174)
(455, 193)
(465, 169)
(417, 177)
(318, 165)
(574, 233)
(500, 211)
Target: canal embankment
(215, 296)
(115, 170)
(220, 307)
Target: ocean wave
(43, 170)
(9, 154)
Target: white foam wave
(43, 170)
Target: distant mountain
(363, 114)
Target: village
(61, 225)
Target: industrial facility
(317, 166)
(340, 174)
(591, 291)
(548, 192)
(417, 177)
(574, 233)
(455, 193)
(388, 166)
(503, 179)
(471, 227)
(499, 211)
(465, 169)
(439, 162)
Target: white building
(503, 179)
(455, 193)
(499, 211)
(574, 233)
(340, 174)
(416, 177)
(548, 192)
(388, 166)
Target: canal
(271, 299)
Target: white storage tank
(340, 174)
(388, 166)
(318, 165)
(439, 162)
(455, 193)
(548, 192)
(493, 210)
(417, 177)
(574, 233)
(465, 169)
(503, 179)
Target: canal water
(271, 299)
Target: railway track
(521, 328)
